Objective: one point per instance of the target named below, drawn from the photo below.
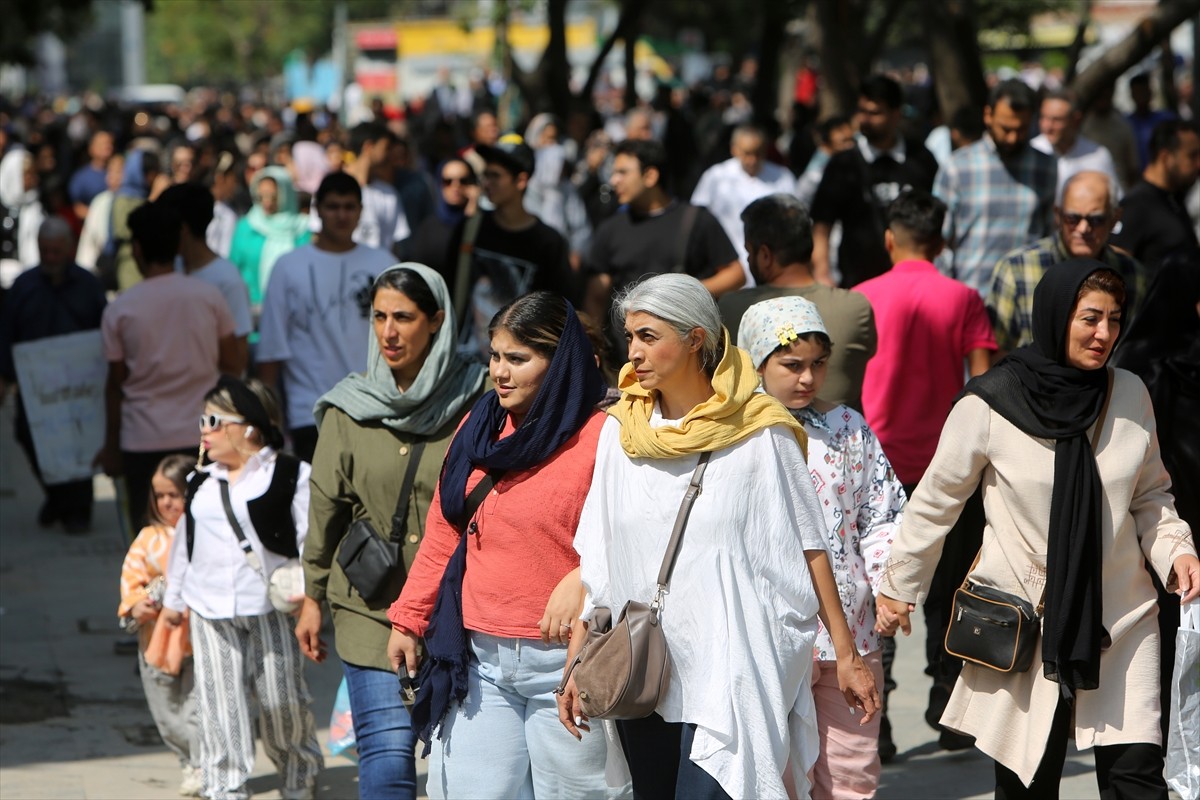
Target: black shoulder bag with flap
(366, 557)
(993, 628)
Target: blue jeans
(505, 741)
(384, 734)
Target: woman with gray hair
(752, 573)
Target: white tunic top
(739, 618)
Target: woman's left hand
(569, 713)
(858, 685)
(1187, 577)
(563, 608)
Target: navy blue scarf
(566, 400)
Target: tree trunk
(1085, 19)
(631, 37)
(554, 68)
(631, 11)
(878, 37)
(766, 87)
(954, 55)
(1166, 63)
(1152, 30)
(840, 23)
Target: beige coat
(1010, 715)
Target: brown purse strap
(1095, 441)
(685, 508)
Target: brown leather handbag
(623, 669)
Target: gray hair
(682, 302)
(55, 228)
(1114, 189)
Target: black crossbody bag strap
(400, 516)
(475, 498)
(243, 542)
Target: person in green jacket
(273, 227)
(407, 406)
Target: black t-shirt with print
(862, 209)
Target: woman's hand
(569, 713)
(858, 686)
(402, 652)
(563, 608)
(308, 630)
(1187, 577)
(172, 618)
(144, 610)
(891, 614)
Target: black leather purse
(367, 558)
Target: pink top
(525, 544)
(167, 329)
(927, 325)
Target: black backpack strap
(198, 477)
(400, 516)
(685, 234)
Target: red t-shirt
(927, 324)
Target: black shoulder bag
(367, 558)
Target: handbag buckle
(657, 602)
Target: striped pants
(237, 659)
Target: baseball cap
(509, 151)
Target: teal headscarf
(282, 229)
(444, 385)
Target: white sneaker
(191, 785)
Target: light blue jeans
(505, 741)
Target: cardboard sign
(61, 379)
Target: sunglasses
(214, 422)
(1093, 220)
(467, 181)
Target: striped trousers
(252, 657)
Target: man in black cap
(497, 256)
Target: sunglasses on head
(1093, 220)
(214, 422)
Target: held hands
(891, 614)
(1186, 574)
(402, 652)
(858, 686)
(308, 630)
(569, 713)
(563, 608)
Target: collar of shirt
(914, 265)
(870, 152)
(255, 462)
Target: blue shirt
(86, 183)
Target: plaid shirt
(994, 205)
(1010, 302)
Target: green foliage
(233, 42)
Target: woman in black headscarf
(1074, 508)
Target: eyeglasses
(464, 181)
(1093, 220)
(214, 422)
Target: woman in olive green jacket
(407, 406)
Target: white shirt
(315, 319)
(224, 275)
(218, 582)
(382, 221)
(739, 617)
(1084, 155)
(725, 189)
(219, 235)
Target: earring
(200, 457)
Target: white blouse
(862, 501)
(739, 617)
(218, 582)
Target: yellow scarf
(734, 412)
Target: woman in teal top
(273, 227)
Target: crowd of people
(453, 384)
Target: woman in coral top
(510, 560)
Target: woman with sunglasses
(486, 707)
(246, 514)
(383, 437)
(457, 199)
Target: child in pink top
(164, 653)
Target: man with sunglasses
(1084, 220)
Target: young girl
(861, 498)
(164, 654)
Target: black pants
(657, 752)
(139, 468)
(304, 442)
(1123, 771)
(70, 502)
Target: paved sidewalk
(74, 724)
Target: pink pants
(848, 766)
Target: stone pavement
(74, 724)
